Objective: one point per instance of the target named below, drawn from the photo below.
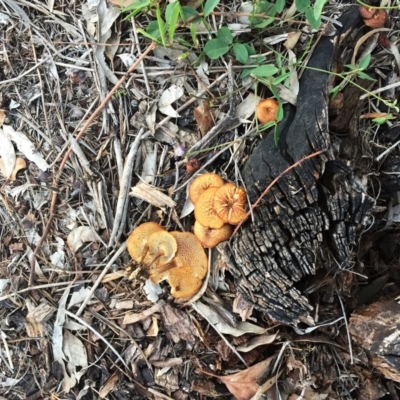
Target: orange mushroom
(229, 203)
(373, 17)
(204, 211)
(187, 270)
(212, 237)
(137, 240)
(202, 183)
(266, 110)
(161, 249)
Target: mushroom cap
(137, 240)
(187, 270)
(204, 211)
(161, 248)
(377, 20)
(202, 183)
(367, 12)
(229, 203)
(212, 237)
(266, 110)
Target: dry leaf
(374, 115)
(247, 107)
(7, 154)
(215, 320)
(26, 147)
(169, 96)
(152, 195)
(75, 353)
(19, 164)
(292, 39)
(109, 385)
(204, 117)
(255, 342)
(2, 117)
(79, 296)
(81, 235)
(243, 385)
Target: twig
(272, 184)
(67, 154)
(100, 277)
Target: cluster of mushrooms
(217, 206)
(177, 257)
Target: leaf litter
(82, 327)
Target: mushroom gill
(204, 211)
(202, 183)
(210, 237)
(229, 203)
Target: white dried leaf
(3, 284)
(169, 96)
(152, 195)
(215, 320)
(151, 118)
(78, 236)
(187, 208)
(4, 19)
(247, 107)
(26, 147)
(294, 85)
(79, 295)
(150, 164)
(202, 71)
(127, 59)
(57, 342)
(246, 7)
(58, 259)
(9, 382)
(256, 341)
(7, 153)
(75, 353)
(18, 190)
(152, 290)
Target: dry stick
(272, 184)
(152, 46)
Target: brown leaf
(204, 117)
(19, 164)
(243, 385)
(2, 117)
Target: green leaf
(265, 70)
(363, 75)
(315, 23)
(240, 52)
(246, 72)
(190, 12)
(215, 48)
(209, 7)
(225, 35)
(279, 114)
(281, 78)
(148, 35)
(279, 6)
(364, 62)
(173, 19)
(265, 23)
(351, 67)
(153, 29)
(318, 6)
(302, 5)
(250, 50)
(161, 25)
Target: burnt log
(316, 206)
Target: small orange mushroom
(377, 21)
(161, 248)
(229, 203)
(212, 237)
(137, 240)
(187, 270)
(204, 211)
(266, 110)
(367, 12)
(202, 183)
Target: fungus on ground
(202, 183)
(229, 203)
(161, 249)
(212, 237)
(204, 211)
(266, 110)
(137, 240)
(374, 18)
(185, 273)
